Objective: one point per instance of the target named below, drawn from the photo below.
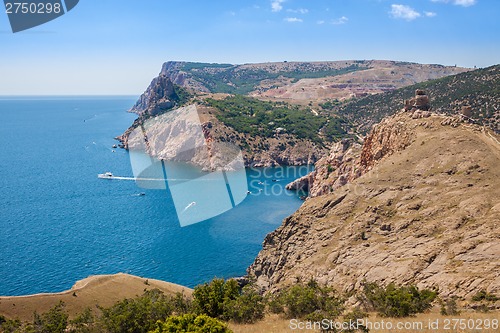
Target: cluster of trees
(260, 118)
(215, 303)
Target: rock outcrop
(158, 97)
(426, 211)
(349, 160)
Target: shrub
(83, 323)
(9, 326)
(394, 301)
(137, 315)
(53, 321)
(274, 303)
(354, 316)
(209, 298)
(449, 307)
(247, 308)
(260, 118)
(483, 295)
(192, 324)
(311, 301)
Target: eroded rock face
(156, 98)
(349, 160)
(427, 213)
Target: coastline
(102, 290)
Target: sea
(60, 223)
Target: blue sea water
(59, 223)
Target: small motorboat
(106, 175)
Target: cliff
(349, 160)
(160, 95)
(425, 209)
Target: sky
(115, 47)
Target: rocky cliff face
(349, 160)
(158, 96)
(174, 71)
(425, 209)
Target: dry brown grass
(104, 290)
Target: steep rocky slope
(426, 213)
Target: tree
(247, 308)
(311, 301)
(191, 323)
(394, 301)
(137, 315)
(209, 298)
(53, 321)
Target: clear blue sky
(118, 46)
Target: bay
(59, 223)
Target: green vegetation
(449, 307)
(330, 105)
(259, 118)
(479, 89)
(219, 301)
(483, 295)
(209, 298)
(310, 301)
(53, 321)
(224, 78)
(181, 96)
(191, 323)
(224, 300)
(395, 301)
(247, 308)
(141, 313)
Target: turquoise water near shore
(59, 223)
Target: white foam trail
(156, 179)
(189, 206)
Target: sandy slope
(104, 290)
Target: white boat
(106, 175)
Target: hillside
(102, 290)
(428, 213)
(281, 121)
(479, 90)
(268, 133)
(303, 82)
